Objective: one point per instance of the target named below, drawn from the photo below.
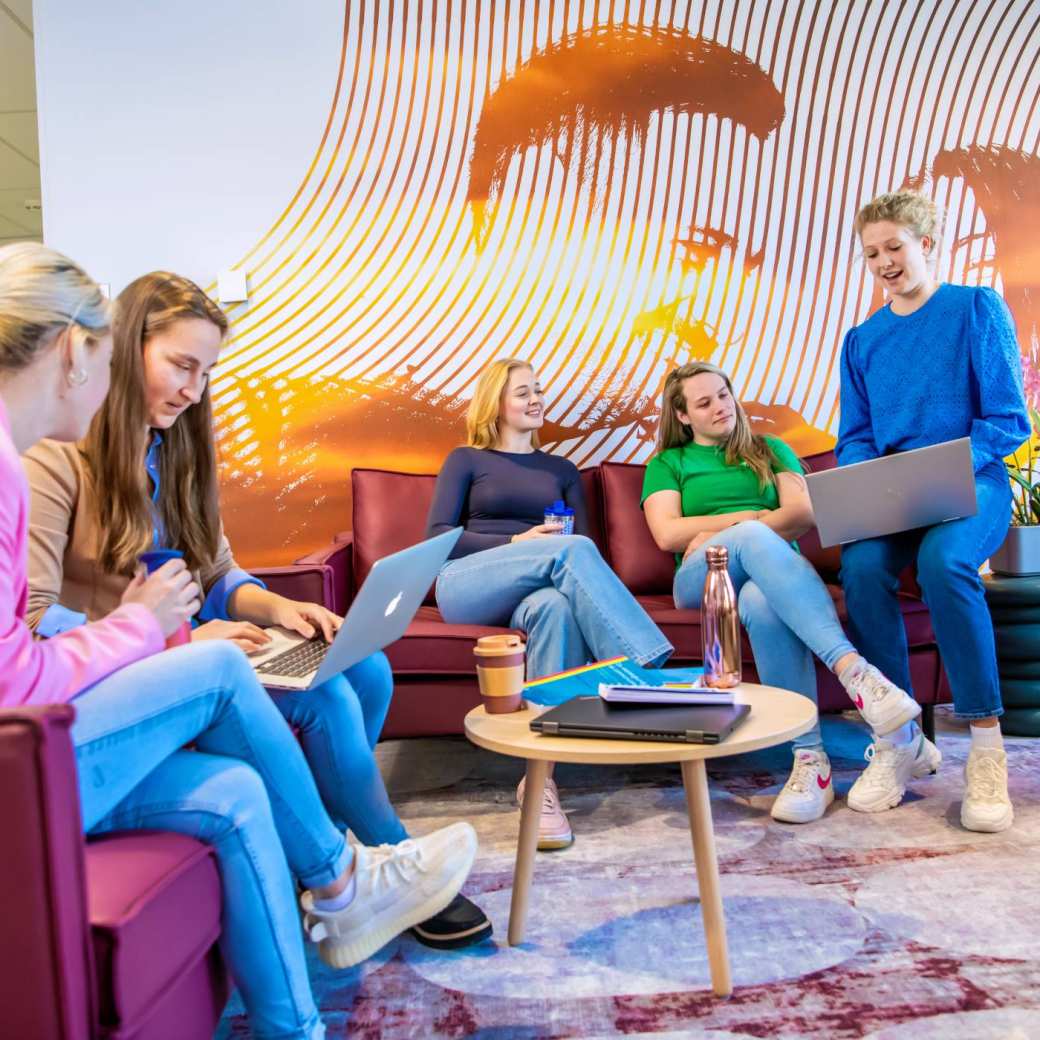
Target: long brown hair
(188, 509)
(742, 445)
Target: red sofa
(435, 682)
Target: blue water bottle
(560, 516)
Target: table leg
(530, 814)
(698, 805)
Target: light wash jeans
(561, 593)
(339, 723)
(783, 603)
(948, 557)
(245, 790)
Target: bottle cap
(716, 555)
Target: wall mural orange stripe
(608, 189)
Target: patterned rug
(894, 926)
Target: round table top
(776, 715)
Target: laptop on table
(381, 611)
(917, 488)
(681, 724)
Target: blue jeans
(245, 790)
(783, 604)
(339, 723)
(948, 557)
(561, 593)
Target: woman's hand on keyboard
(248, 636)
(309, 619)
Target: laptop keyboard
(299, 661)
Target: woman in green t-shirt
(714, 482)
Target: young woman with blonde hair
(510, 569)
(715, 482)
(936, 363)
(146, 476)
(245, 788)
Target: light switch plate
(231, 287)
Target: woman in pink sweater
(245, 789)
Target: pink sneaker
(554, 832)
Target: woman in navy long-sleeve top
(510, 569)
(936, 363)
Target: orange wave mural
(607, 195)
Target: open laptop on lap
(895, 493)
(381, 611)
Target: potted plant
(1020, 554)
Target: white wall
(171, 133)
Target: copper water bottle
(720, 622)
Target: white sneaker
(986, 806)
(398, 886)
(883, 783)
(883, 705)
(808, 790)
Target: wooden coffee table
(776, 716)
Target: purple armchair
(112, 938)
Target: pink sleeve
(55, 670)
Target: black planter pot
(1014, 606)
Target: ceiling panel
(19, 130)
(18, 82)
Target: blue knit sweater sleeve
(855, 432)
(1003, 422)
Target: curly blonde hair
(909, 208)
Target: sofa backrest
(631, 549)
(390, 511)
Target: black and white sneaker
(461, 923)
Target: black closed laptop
(682, 724)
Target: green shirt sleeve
(660, 475)
(784, 460)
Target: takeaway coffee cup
(500, 672)
(153, 559)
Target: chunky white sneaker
(554, 829)
(986, 806)
(398, 886)
(883, 783)
(808, 790)
(883, 705)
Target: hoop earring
(77, 378)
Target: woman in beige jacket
(146, 477)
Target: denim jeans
(783, 604)
(339, 723)
(948, 557)
(245, 790)
(561, 593)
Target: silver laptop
(898, 492)
(382, 610)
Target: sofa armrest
(46, 987)
(304, 583)
(339, 555)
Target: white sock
(846, 675)
(987, 737)
(902, 736)
(340, 902)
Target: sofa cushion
(631, 549)
(430, 646)
(390, 511)
(154, 906)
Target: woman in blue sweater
(936, 363)
(510, 569)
